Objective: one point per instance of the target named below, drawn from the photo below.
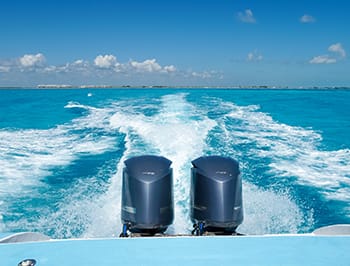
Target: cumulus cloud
(206, 74)
(254, 56)
(30, 60)
(322, 59)
(110, 63)
(4, 69)
(80, 65)
(247, 16)
(307, 19)
(52, 69)
(149, 65)
(104, 67)
(203, 75)
(105, 61)
(337, 48)
(337, 51)
(76, 66)
(78, 62)
(170, 68)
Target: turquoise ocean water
(62, 153)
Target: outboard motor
(216, 195)
(147, 195)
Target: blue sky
(204, 43)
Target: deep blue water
(62, 152)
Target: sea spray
(65, 180)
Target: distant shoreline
(262, 87)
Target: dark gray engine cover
(147, 194)
(216, 193)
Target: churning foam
(266, 211)
(293, 152)
(171, 133)
(179, 131)
(27, 156)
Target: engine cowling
(216, 194)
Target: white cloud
(30, 60)
(307, 19)
(170, 68)
(103, 67)
(80, 65)
(323, 59)
(51, 69)
(338, 54)
(77, 66)
(4, 69)
(202, 75)
(149, 65)
(254, 56)
(247, 16)
(337, 48)
(79, 62)
(206, 74)
(105, 61)
(250, 56)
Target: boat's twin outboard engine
(216, 195)
(147, 195)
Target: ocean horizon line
(64, 86)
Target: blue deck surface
(243, 250)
